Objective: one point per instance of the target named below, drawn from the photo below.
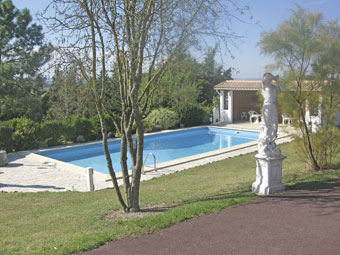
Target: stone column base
(3, 158)
(268, 175)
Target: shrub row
(6, 142)
(25, 134)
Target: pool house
(237, 99)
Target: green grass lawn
(59, 223)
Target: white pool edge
(162, 165)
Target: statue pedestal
(268, 175)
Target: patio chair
(244, 116)
(286, 119)
(253, 115)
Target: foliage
(25, 133)
(52, 132)
(207, 114)
(28, 134)
(187, 80)
(160, 119)
(326, 147)
(327, 70)
(307, 49)
(179, 83)
(211, 74)
(96, 127)
(69, 95)
(22, 54)
(191, 114)
(76, 126)
(6, 142)
(294, 46)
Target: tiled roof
(256, 84)
(239, 85)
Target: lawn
(59, 223)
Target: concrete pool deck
(29, 172)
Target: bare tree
(137, 39)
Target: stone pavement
(29, 172)
(298, 222)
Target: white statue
(269, 123)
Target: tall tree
(293, 46)
(179, 83)
(69, 95)
(22, 53)
(211, 74)
(326, 68)
(139, 38)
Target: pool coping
(162, 165)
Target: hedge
(6, 142)
(191, 114)
(27, 134)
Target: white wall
(226, 115)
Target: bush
(76, 126)
(207, 113)
(6, 142)
(96, 128)
(326, 148)
(191, 114)
(160, 119)
(52, 132)
(25, 133)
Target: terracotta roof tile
(256, 84)
(239, 85)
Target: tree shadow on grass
(326, 186)
(4, 185)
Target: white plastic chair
(286, 119)
(244, 115)
(252, 115)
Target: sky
(247, 61)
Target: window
(226, 100)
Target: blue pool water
(166, 146)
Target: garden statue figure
(269, 124)
(269, 158)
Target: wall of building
(244, 101)
(226, 113)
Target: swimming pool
(165, 146)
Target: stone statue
(269, 123)
(269, 158)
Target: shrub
(51, 132)
(25, 133)
(191, 114)
(76, 126)
(96, 128)
(160, 119)
(207, 113)
(326, 147)
(6, 142)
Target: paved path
(296, 222)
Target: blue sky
(267, 14)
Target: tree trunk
(108, 157)
(315, 164)
(125, 170)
